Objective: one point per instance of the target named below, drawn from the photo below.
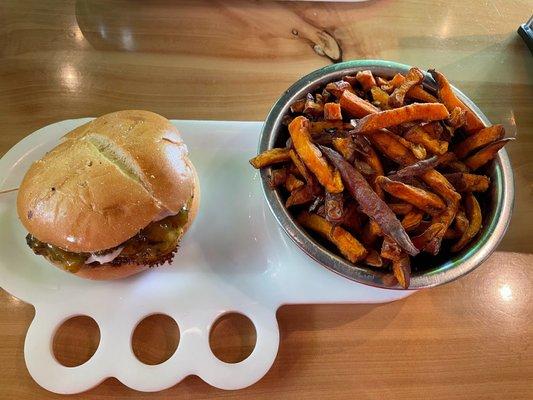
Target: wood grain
(230, 60)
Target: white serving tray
(235, 258)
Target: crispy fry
(474, 218)
(479, 139)
(345, 146)
(463, 182)
(351, 218)
(312, 107)
(421, 241)
(338, 88)
(391, 147)
(365, 169)
(418, 135)
(424, 126)
(334, 204)
(319, 127)
(292, 183)
(369, 201)
(418, 150)
(413, 77)
(381, 98)
(373, 259)
(390, 249)
(457, 118)
(451, 234)
(381, 81)
(450, 100)
(486, 154)
(434, 129)
(417, 92)
(461, 222)
(298, 106)
(412, 219)
(372, 159)
(356, 106)
(348, 245)
(311, 156)
(397, 116)
(402, 270)
(278, 177)
(299, 196)
(366, 79)
(269, 157)
(371, 232)
(302, 169)
(332, 112)
(426, 201)
(401, 208)
(415, 169)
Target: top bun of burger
(106, 181)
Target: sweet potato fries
(383, 168)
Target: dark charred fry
(312, 107)
(278, 177)
(371, 232)
(269, 157)
(415, 169)
(479, 139)
(334, 203)
(463, 182)
(370, 202)
(486, 154)
(298, 106)
(351, 218)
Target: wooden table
(230, 60)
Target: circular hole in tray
(232, 338)
(76, 341)
(155, 339)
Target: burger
(114, 198)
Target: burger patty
(153, 245)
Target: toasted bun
(105, 272)
(107, 180)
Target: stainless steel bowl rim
(452, 269)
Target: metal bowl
(428, 271)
